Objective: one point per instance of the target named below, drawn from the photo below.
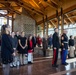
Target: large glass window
(3, 20)
(70, 28)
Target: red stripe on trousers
(54, 56)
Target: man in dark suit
(56, 46)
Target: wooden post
(57, 19)
(35, 28)
(12, 23)
(7, 18)
(46, 26)
(62, 21)
(43, 26)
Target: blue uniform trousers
(64, 56)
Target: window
(3, 20)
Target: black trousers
(55, 56)
(44, 53)
(0, 57)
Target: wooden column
(35, 28)
(12, 23)
(46, 26)
(7, 18)
(62, 21)
(57, 19)
(43, 26)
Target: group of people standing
(17, 46)
(62, 42)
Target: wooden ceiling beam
(17, 7)
(57, 2)
(51, 4)
(3, 15)
(53, 23)
(69, 19)
(71, 16)
(66, 21)
(68, 10)
(35, 2)
(9, 8)
(39, 12)
(38, 5)
(54, 1)
(7, 1)
(31, 7)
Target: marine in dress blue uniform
(64, 43)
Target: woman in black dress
(7, 51)
(22, 48)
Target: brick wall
(24, 23)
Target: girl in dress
(30, 50)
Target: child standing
(30, 50)
(14, 45)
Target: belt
(65, 42)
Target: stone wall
(24, 23)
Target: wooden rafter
(41, 5)
(71, 16)
(68, 10)
(66, 21)
(54, 1)
(13, 10)
(3, 15)
(30, 7)
(53, 23)
(69, 19)
(7, 1)
(38, 5)
(12, 7)
(27, 8)
(51, 4)
(57, 2)
(35, 2)
(19, 2)
(17, 7)
(9, 8)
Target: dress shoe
(64, 63)
(54, 65)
